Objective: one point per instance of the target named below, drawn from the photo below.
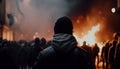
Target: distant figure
(103, 57)
(43, 43)
(117, 51)
(63, 52)
(37, 45)
(111, 54)
(104, 54)
(95, 54)
(117, 55)
(23, 54)
(36, 48)
(6, 60)
(87, 48)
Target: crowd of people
(111, 53)
(21, 54)
(62, 52)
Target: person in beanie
(63, 52)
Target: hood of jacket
(64, 43)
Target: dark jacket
(63, 54)
(117, 57)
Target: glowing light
(36, 35)
(90, 38)
(113, 10)
(78, 21)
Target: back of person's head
(96, 44)
(37, 40)
(116, 35)
(114, 43)
(63, 25)
(84, 42)
(43, 41)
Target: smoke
(39, 16)
(18, 8)
(97, 12)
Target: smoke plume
(39, 16)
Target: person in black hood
(63, 52)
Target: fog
(37, 16)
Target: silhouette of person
(34, 52)
(111, 54)
(86, 47)
(37, 45)
(89, 50)
(117, 51)
(95, 54)
(6, 60)
(43, 42)
(104, 54)
(63, 52)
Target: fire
(90, 38)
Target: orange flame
(90, 38)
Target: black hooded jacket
(63, 54)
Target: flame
(90, 38)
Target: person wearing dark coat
(95, 51)
(117, 51)
(111, 53)
(89, 50)
(63, 52)
(43, 43)
(104, 54)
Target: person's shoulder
(48, 51)
(80, 50)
